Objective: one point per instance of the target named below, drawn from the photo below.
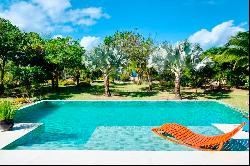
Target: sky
(207, 22)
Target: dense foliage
(10, 41)
(231, 62)
(31, 62)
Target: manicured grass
(130, 91)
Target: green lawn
(129, 91)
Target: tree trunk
(2, 78)
(106, 85)
(57, 79)
(77, 80)
(53, 82)
(139, 82)
(149, 82)
(196, 87)
(178, 87)
(77, 77)
(205, 88)
(28, 89)
(150, 85)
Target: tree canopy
(10, 41)
(28, 59)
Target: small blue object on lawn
(134, 74)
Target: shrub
(85, 83)
(7, 111)
(167, 84)
(21, 100)
(68, 82)
(125, 77)
(246, 82)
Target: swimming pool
(116, 125)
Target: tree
(217, 71)
(176, 58)
(136, 47)
(33, 53)
(199, 66)
(76, 65)
(237, 50)
(62, 53)
(32, 50)
(26, 76)
(108, 59)
(147, 49)
(237, 54)
(231, 61)
(10, 41)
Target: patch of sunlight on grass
(239, 98)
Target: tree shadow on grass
(209, 94)
(61, 93)
(134, 94)
(70, 91)
(143, 92)
(158, 88)
(94, 90)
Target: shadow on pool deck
(236, 145)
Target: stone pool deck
(18, 130)
(100, 157)
(226, 128)
(80, 157)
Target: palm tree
(107, 59)
(238, 50)
(175, 57)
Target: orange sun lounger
(182, 135)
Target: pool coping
(92, 157)
(8, 137)
(186, 100)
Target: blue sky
(208, 22)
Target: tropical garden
(126, 65)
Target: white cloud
(94, 13)
(87, 16)
(65, 28)
(87, 22)
(88, 42)
(53, 8)
(27, 16)
(46, 16)
(218, 36)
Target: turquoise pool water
(116, 125)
